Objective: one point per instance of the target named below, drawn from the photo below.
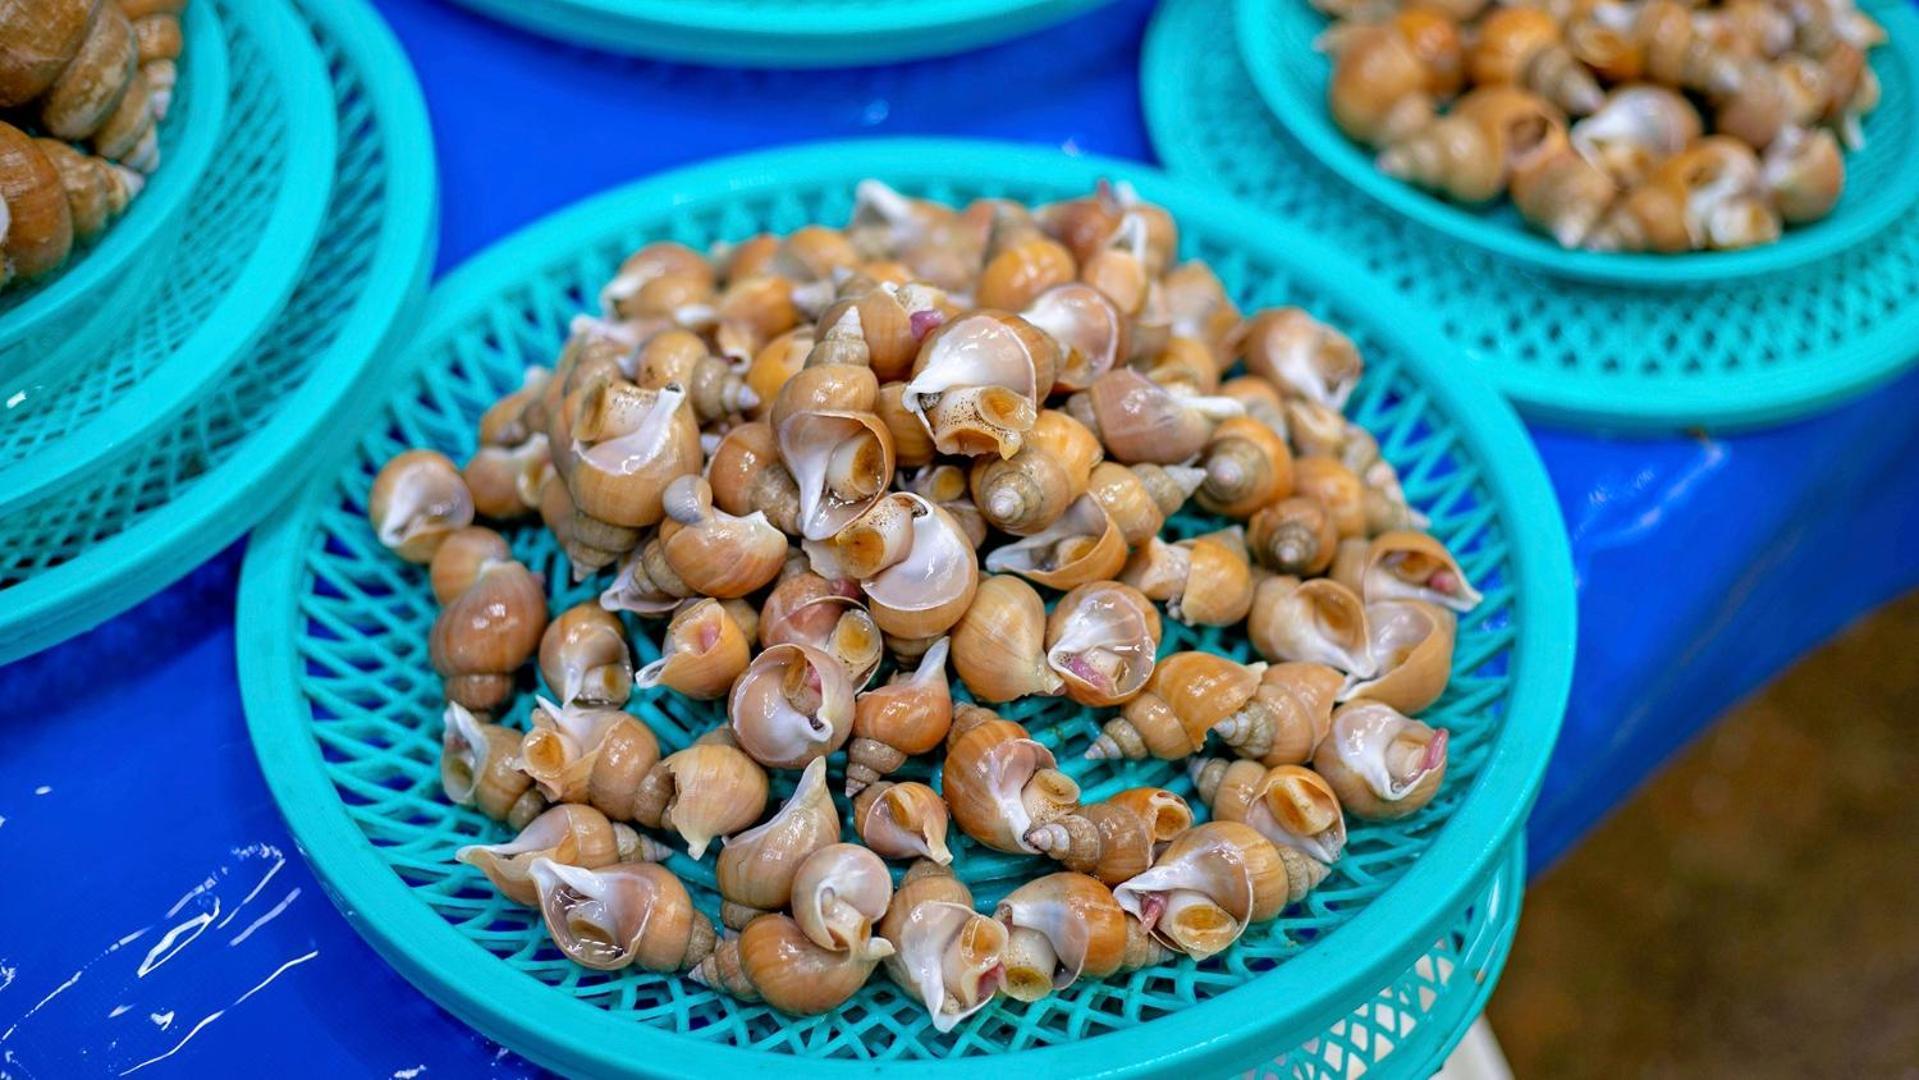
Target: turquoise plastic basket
(344, 708)
(1276, 45)
(1634, 360)
(199, 481)
(247, 231)
(49, 332)
(784, 33)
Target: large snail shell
(999, 645)
(1187, 366)
(746, 475)
(713, 552)
(1294, 536)
(1021, 264)
(1378, 91)
(1384, 766)
(1650, 217)
(1138, 420)
(840, 892)
(418, 500)
(479, 768)
(1029, 491)
(924, 594)
(945, 954)
(1247, 467)
(1335, 487)
(1198, 306)
(756, 868)
(1091, 334)
(1318, 621)
(584, 657)
(1804, 174)
(1113, 841)
(481, 639)
(39, 219)
(708, 790)
(1205, 581)
(1453, 154)
(704, 650)
(1083, 545)
(575, 835)
(1060, 927)
(1413, 644)
(773, 961)
(842, 463)
(460, 557)
(600, 757)
(633, 443)
(1189, 694)
(1405, 565)
(903, 821)
(713, 385)
(505, 481)
(908, 716)
(1637, 127)
(806, 609)
(794, 703)
(1139, 498)
(1288, 716)
(621, 915)
(1289, 805)
(1523, 46)
(1118, 269)
(625, 296)
(1301, 355)
(1210, 884)
(1102, 639)
(1563, 193)
(97, 190)
(979, 380)
(999, 783)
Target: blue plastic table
(155, 917)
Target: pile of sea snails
(1614, 125)
(86, 81)
(905, 441)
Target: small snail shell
(1318, 621)
(1519, 126)
(887, 322)
(1211, 883)
(1247, 466)
(584, 657)
(1636, 128)
(1118, 268)
(746, 475)
(96, 191)
(1563, 193)
(1650, 217)
(713, 552)
(806, 609)
(945, 954)
(703, 651)
(1063, 926)
(709, 790)
(1405, 565)
(676, 356)
(1335, 487)
(840, 891)
(478, 768)
(912, 442)
(1199, 308)
(1030, 490)
(756, 868)
(1102, 639)
(1205, 581)
(842, 463)
(1453, 155)
(1804, 174)
(902, 821)
(1522, 46)
(1610, 51)
(979, 380)
(623, 296)
(999, 783)
(1384, 766)
(1379, 89)
(908, 716)
(1186, 365)
(574, 835)
(794, 703)
(480, 639)
(621, 915)
(934, 242)
(814, 251)
(1114, 841)
(1090, 332)
(1413, 644)
(1139, 498)
(773, 961)
(1138, 420)
(749, 313)
(460, 557)
(1083, 545)
(944, 485)
(595, 756)
(1289, 805)
(1294, 536)
(417, 501)
(999, 645)
(645, 584)
(636, 442)
(504, 481)
(777, 361)
(1300, 355)
(1022, 263)
(925, 593)
(1189, 694)
(1082, 224)
(1288, 717)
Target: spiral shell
(627, 445)
(1384, 766)
(1022, 262)
(912, 442)
(1092, 335)
(600, 757)
(999, 645)
(1523, 46)
(1083, 545)
(1114, 840)
(841, 461)
(1405, 565)
(1139, 498)
(1379, 90)
(999, 783)
(479, 768)
(1294, 536)
(806, 609)
(1064, 926)
(703, 651)
(915, 564)
(773, 961)
(946, 955)
(1635, 129)
(1101, 640)
(1289, 715)
(756, 868)
(1247, 467)
(1205, 581)
(1335, 487)
(708, 790)
(902, 821)
(747, 476)
(715, 553)
(1138, 420)
(574, 835)
(657, 279)
(1413, 644)
(623, 915)
(1212, 882)
(1301, 356)
(1803, 174)
(979, 380)
(1189, 694)
(482, 638)
(418, 500)
(1318, 621)
(908, 716)
(793, 704)
(1291, 806)
(839, 893)
(504, 482)
(1027, 492)
(461, 556)
(584, 657)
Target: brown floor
(1754, 910)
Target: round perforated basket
(1628, 359)
(197, 482)
(344, 707)
(1276, 44)
(50, 330)
(784, 33)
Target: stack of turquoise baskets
(214, 333)
(1621, 343)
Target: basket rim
(342, 386)
(1310, 122)
(524, 1013)
(258, 292)
(207, 75)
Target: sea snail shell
(773, 960)
(1091, 335)
(1290, 717)
(1139, 498)
(1301, 355)
(629, 445)
(1384, 766)
(1101, 640)
(806, 609)
(842, 462)
(946, 955)
(1317, 621)
(417, 501)
(999, 645)
(483, 637)
(793, 704)
(908, 716)
(1138, 420)
(999, 783)
(1116, 839)
(1212, 882)
(756, 868)
(1027, 492)
(746, 475)
(584, 657)
(715, 553)
(479, 768)
(703, 652)
(1064, 926)
(902, 821)
(586, 755)
(460, 557)
(1189, 694)
(1205, 581)
(575, 835)
(978, 382)
(839, 893)
(1291, 806)
(621, 915)
(1084, 545)
(1405, 565)
(1412, 641)
(914, 561)
(1293, 536)
(1247, 467)
(708, 790)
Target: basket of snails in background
(780, 529)
(113, 112)
(1638, 142)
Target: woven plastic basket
(1276, 44)
(248, 229)
(1647, 359)
(344, 708)
(199, 481)
(49, 332)
(784, 33)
